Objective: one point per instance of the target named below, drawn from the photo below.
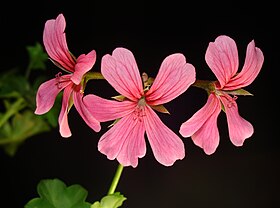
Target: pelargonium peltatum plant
(134, 111)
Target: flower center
(139, 111)
(231, 101)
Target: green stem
(116, 179)
(28, 70)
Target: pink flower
(222, 57)
(72, 83)
(125, 140)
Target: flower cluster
(134, 110)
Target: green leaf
(110, 201)
(55, 194)
(37, 57)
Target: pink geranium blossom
(72, 83)
(125, 141)
(222, 58)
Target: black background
(246, 176)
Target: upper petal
(192, 125)
(107, 110)
(252, 66)
(239, 128)
(84, 112)
(166, 145)
(55, 43)
(83, 65)
(121, 71)
(174, 77)
(222, 58)
(124, 141)
(47, 93)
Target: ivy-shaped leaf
(55, 194)
(110, 201)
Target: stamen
(231, 101)
(60, 79)
(139, 111)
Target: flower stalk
(116, 180)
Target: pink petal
(207, 137)
(55, 43)
(121, 71)
(47, 93)
(83, 65)
(166, 145)
(107, 110)
(84, 112)
(239, 128)
(222, 58)
(124, 141)
(252, 66)
(192, 125)
(174, 77)
(63, 116)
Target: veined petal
(192, 125)
(207, 137)
(83, 65)
(124, 141)
(55, 43)
(239, 128)
(107, 110)
(174, 77)
(166, 145)
(121, 71)
(47, 93)
(252, 66)
(222, 58)
(84, 112)
(63, 115)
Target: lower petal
(239, 128)
(84, 112)
(107, 110)
(166, 145)
(207, 137)
(124, 141)
(46, 95)
(189, 127)
(63, 116)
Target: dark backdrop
(245, 176)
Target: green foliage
(111, 201)
(18, 102)
(37, 57)
(55, 194)
(13, 132)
